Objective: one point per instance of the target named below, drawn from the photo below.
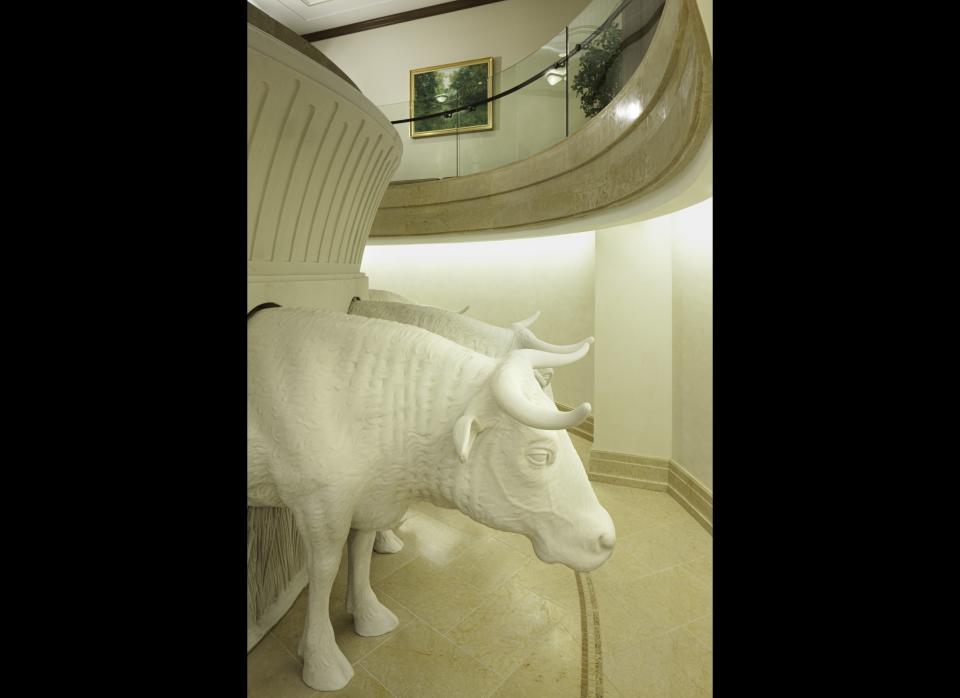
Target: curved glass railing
(457, 125)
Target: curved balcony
(641, 139)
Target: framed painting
(449, 86)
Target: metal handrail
(559, 64)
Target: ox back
(349, 389)
(467, 331)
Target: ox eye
(540, 457)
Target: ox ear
(544, 375)
(463, 434)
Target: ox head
(519, 470)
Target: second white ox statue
(351, 419)
(474, 334)
(379, 295)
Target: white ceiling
(305, 16)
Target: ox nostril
(607, 540)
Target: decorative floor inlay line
(591, 657)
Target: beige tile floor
(480, 615)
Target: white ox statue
(474, 334)
(351, 419)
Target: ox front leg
(325, 668)
(370, 617)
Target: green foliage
(469, 84)
(426, 86)
(598, 79)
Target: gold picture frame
(450, 84)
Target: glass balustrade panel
(424, 157)
(526, 121)
(549, 101)
(602, 67)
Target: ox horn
(508, 391)
(535, 342)
(523, 324)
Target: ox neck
(431, 470)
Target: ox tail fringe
(276, 560)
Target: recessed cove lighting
(311, 3)
(629, 111)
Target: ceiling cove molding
(386, 21)
(644, 138)
(267, 24)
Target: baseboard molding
(585, 429)
(627, 469)
(692, 495)
(660, 474)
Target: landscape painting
(448, 86)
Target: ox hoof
(374, 619)
(330, 673)
(387, 542)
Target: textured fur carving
(466, 331)
(379, 295)
(350, 419)
(474, 334)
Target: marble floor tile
(552, 668)
(633, 509)
(517, 541)
(556, 583)
(439, 594)
(273, 671)
(669, 544)
(419, 662)
(622, 569)
(609, 689)
(430, 539)
(671, 665)
(486, 564)
(702, 630)
(362, 685)
(382, 565)
(502, 632)
(702, 568)
(651, 606)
